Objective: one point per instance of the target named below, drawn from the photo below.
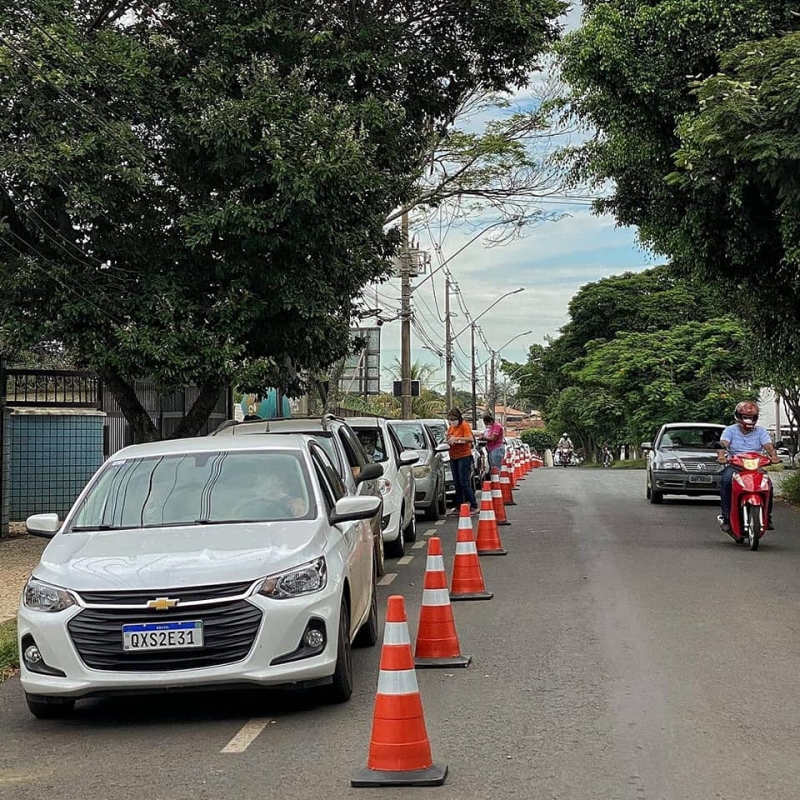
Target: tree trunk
(142, 426)
(201, 409)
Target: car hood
(686, 454)
(161, 558)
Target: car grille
(189, 594)
(229, 631)
(701, 466)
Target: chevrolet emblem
(162, 603)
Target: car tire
(53, 708)
(341, 687)
(397, 548)
(648, 490)
(656, 497)
(367, 635)
(443, 501)
(432, 512)
(410, 533)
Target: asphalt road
(630, 653)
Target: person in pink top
(495, 439)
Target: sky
(551, 262)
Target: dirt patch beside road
(19, 554)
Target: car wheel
(53, 708)
(410, 533)
(656, 497)
(443, 501)
(367, 634)
(380, 555)
(432, 512)
(342, 680)
(397, 548)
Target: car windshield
(197, 489)
(438, 431)
(374, 443)
(411, 435)
(689, 438)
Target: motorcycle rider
(745, 436)
(565, 446)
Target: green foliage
(197, 193)
(9, 652)
(790, 487)
(539, 439)
(694, 106)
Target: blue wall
(52, 456)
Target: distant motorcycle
(607, 458)
(564, 456)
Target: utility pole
(492, 388)
(405, 315)
(448, 344)
(474, 380)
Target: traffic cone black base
(472, 596)
(370, 778)
(504, 522)
(439, 663)
(492, 552)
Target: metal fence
(49, 388)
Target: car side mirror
(44, 525)
(443, 448)
(369, 472)
(647, 446)
(351, 509)
(408, 457)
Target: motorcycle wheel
(754, 529)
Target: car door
(405, 476)
(357, 536)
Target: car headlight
(306, 579)
(385, 485)
(672, 464)
(421, 471)
(41, 596)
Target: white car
(398, 486)
(206, 562)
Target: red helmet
(746, 414)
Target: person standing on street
(461, 440)
(495, 439)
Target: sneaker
(724, 524)
(770, 527)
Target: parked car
(682, 460)
(430, 492)
(438, 431)
(359, 473)
(200, 563)
(398, 485)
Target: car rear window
(198, 489)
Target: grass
(634, 463)
(790, 487)
(9, 654)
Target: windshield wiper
(103, 527)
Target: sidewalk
(19, 554)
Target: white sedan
(201, 563)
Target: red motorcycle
(749, 498)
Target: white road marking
(440, 522)
(405, 560)
(387, 579)
(430, 532)
(418, 545)
(246, 736)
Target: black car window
(438, 432)
(353, 461)
(331, 483)
(689, 438)
(411, 435)
(374, 444)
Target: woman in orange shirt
(460, 439)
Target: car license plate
(701, 479)
(162, 635)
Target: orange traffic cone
(399, 748)
(437, 640)
(498, 505)
(520, 473)
(488, 538)
(505, 485)
(467, 573)
(512, 473)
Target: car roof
(209, 444)
(365, 422)
(692, 425)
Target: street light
(471, 325)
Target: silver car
(683, 460)
(430, 491)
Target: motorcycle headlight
(41, 596)
(306, 579)
(421, 471)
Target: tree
(200, 190)
(645, 78)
